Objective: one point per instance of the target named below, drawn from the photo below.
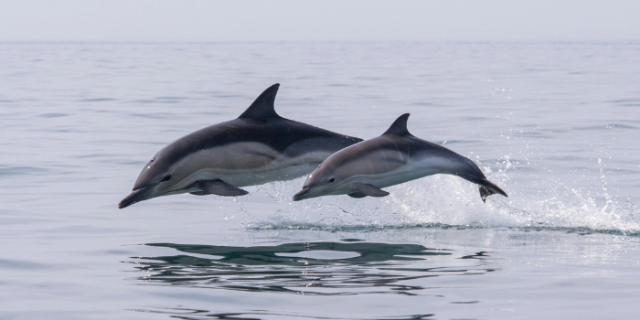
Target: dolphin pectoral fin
(357, 195)
(199, 193)
(219, 188)
(488, 188)
(369, 190)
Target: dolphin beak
(135, 196)
(301, 195)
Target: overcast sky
(305, 20)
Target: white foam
(444, 200)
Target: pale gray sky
(311, 20)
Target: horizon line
(636, 41)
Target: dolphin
(394, 157)
(256, 148)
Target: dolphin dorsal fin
(399, 126)
(263, 107)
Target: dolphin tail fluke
(488, 188)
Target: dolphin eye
(332, 180)
(167, 178)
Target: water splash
(448, 201)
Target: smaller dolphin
(394, 157)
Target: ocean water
(556, 125)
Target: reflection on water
(347, 268)
(314, 268)
(195, 314)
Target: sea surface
(556, 125)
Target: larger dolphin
(395, 157)
(257, 147)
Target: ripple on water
(632, 102)
(53, 115)
(21, 170)
(97, 100)
(19, 264)
(606, 127)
